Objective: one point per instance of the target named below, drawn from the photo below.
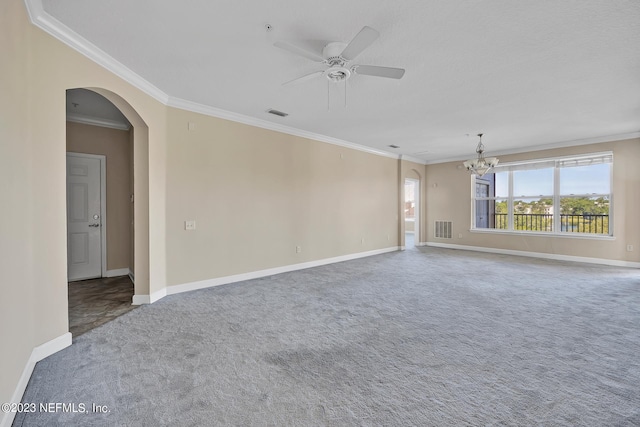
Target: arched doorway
(134, 196)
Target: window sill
(538, 234)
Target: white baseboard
(149, 299)
(137, 299)
(117, 272)
(140, 299)
(557, 257)
(157, 295)
(422, 244)
(50, 347)
(37, 354)
(192, 286)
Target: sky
(573, 180)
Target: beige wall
(36, 71)
(114, 144)
(132, 230)
(451, 200)
(18, 320)
(256, 194)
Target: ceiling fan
(337, 57)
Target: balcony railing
(587, 223)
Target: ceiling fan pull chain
(328, 84)
(345, 93)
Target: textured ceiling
(527, 74)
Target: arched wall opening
(412, 231)
(140, 199)
(412, 208)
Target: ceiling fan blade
(360, 42)
(374, 70)
(304, 78)
(309, 54)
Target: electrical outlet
(298, 249)
(629, 248)
(190, 225)
(459, 235)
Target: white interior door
(84, 222)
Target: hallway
(409, 240)
(95, 302)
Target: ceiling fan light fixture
(481, 165)
(337, 74)
(337, 57)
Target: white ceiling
(527, 74)
(85, 106)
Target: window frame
(557, 163)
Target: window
(559, 196)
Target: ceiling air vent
(277, 113)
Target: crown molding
(412, 159)
(561, 144)
(95, 121)
(41, 19)
(66, 35)
(206, 110)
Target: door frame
(416, 210)
(103, 207)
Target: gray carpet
(427, 337)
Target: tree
(584, 205)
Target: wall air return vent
(443, 229)
(277, 113)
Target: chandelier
(480, 166)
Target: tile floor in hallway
(409, 240)
(95, 302)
